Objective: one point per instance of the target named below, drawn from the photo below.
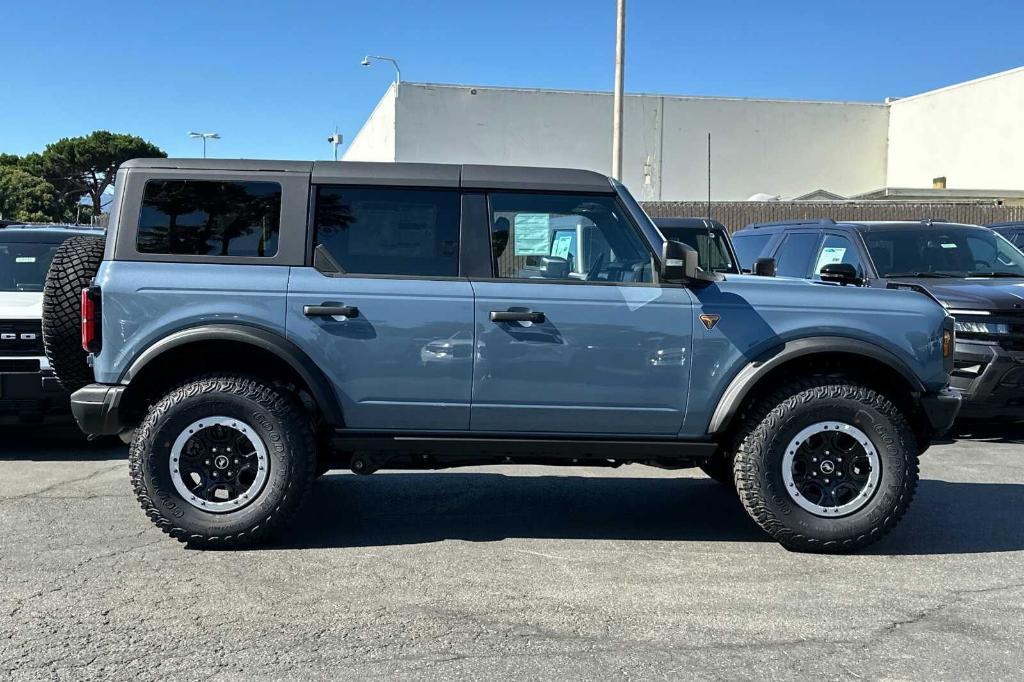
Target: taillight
(91, 337)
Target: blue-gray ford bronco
(249, 325)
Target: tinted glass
(565, 237)
(942, 251)
(837, 249)
(794, 258)
(712, 249)
(749, 247)
(210, 218)
(23, 265)
(390, 231)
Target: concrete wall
(375, 141)
(971, 133)
(782, 148)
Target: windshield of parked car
(711, 247)
(23, 265)
(943, 251)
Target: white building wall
(971, 133)
(782, 148)
(375, 141)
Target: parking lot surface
(535, 572)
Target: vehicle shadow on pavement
(56, 443)
(412, 508)
(990, 432)
(959, 518)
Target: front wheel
(223, 461)
(827, 466)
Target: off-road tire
(719, 469)
(281, 423)
(72, 269)
(768, 430)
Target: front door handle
(517, 316)
(330, 310)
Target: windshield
(711, 247)
(943, 251)
(23, 265)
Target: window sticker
(532, 232)
(562, 246)
(830, 255)
(25, 259)
(947, 245)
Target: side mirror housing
(764, 267)
(840, 273)
(679, 262)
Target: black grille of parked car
(21, 337)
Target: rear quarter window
(210, 218)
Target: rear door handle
(330, 310)
(517, 316)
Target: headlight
(972, 327)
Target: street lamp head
(365, 62)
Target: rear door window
(210, 218)
(795, 254)
(390, 231)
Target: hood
(19, 305)
(991, 293)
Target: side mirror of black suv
(764, 267)
(840, 273)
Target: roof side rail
(777, 223)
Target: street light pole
(204, 137)
(394, 63)
(620, 58)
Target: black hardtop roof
(697, 223)
(45, 234)
(406, 174)
(861, 225)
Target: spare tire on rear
(73, 267)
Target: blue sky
(275, 78)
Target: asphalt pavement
(501, 572)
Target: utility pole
(620, 59)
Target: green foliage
(85, 166)
(24, 197)
(50, 185)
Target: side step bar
(618, 449)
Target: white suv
(28, 390)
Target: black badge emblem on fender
(710, 320)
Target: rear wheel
(827, 466)
(223, 461)
(72, 269)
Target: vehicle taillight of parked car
(91, 337)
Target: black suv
(977, 274)
(29, 392)
(1014, 231)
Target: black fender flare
(754, 371)
(263, 339)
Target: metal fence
(736, 214)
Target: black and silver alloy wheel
(844, 454)
(223, 461)
(831, 469)
(219, 464)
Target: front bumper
(96, 408)
(991, 380)
(941, 409)
(29, 393)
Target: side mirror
(679, 262)
(554, 267)
(764, 267)
(840, 273)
